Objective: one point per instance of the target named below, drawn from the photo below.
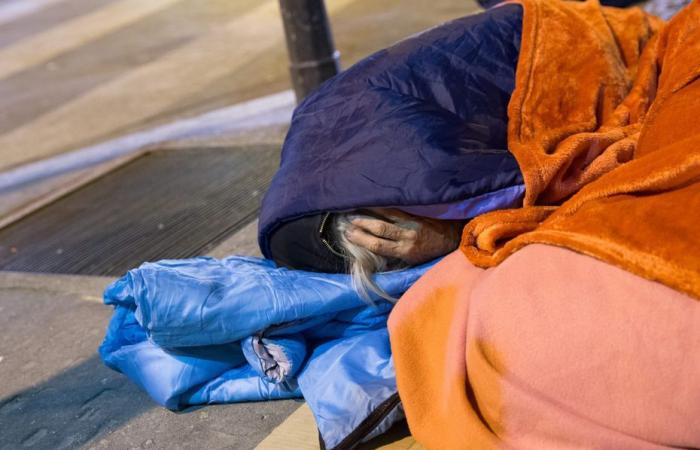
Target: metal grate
(165, 204)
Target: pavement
(74, 73)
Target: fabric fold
(275, 359)
(607, 142)
(206, 301)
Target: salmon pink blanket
(582, 355)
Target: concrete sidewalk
(74, 73)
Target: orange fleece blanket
(603, 122)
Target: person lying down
(384, 163)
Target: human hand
(411, 239)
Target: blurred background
(77, 72)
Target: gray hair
(362, 264)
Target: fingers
(398, 215)
(411, 239)
(382, 229)
(374, 244)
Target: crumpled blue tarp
(202, 330)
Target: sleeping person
(384, 163)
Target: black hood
(306, 244)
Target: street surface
(77, 72)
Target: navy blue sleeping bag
(421, 126)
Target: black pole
(309, 43)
